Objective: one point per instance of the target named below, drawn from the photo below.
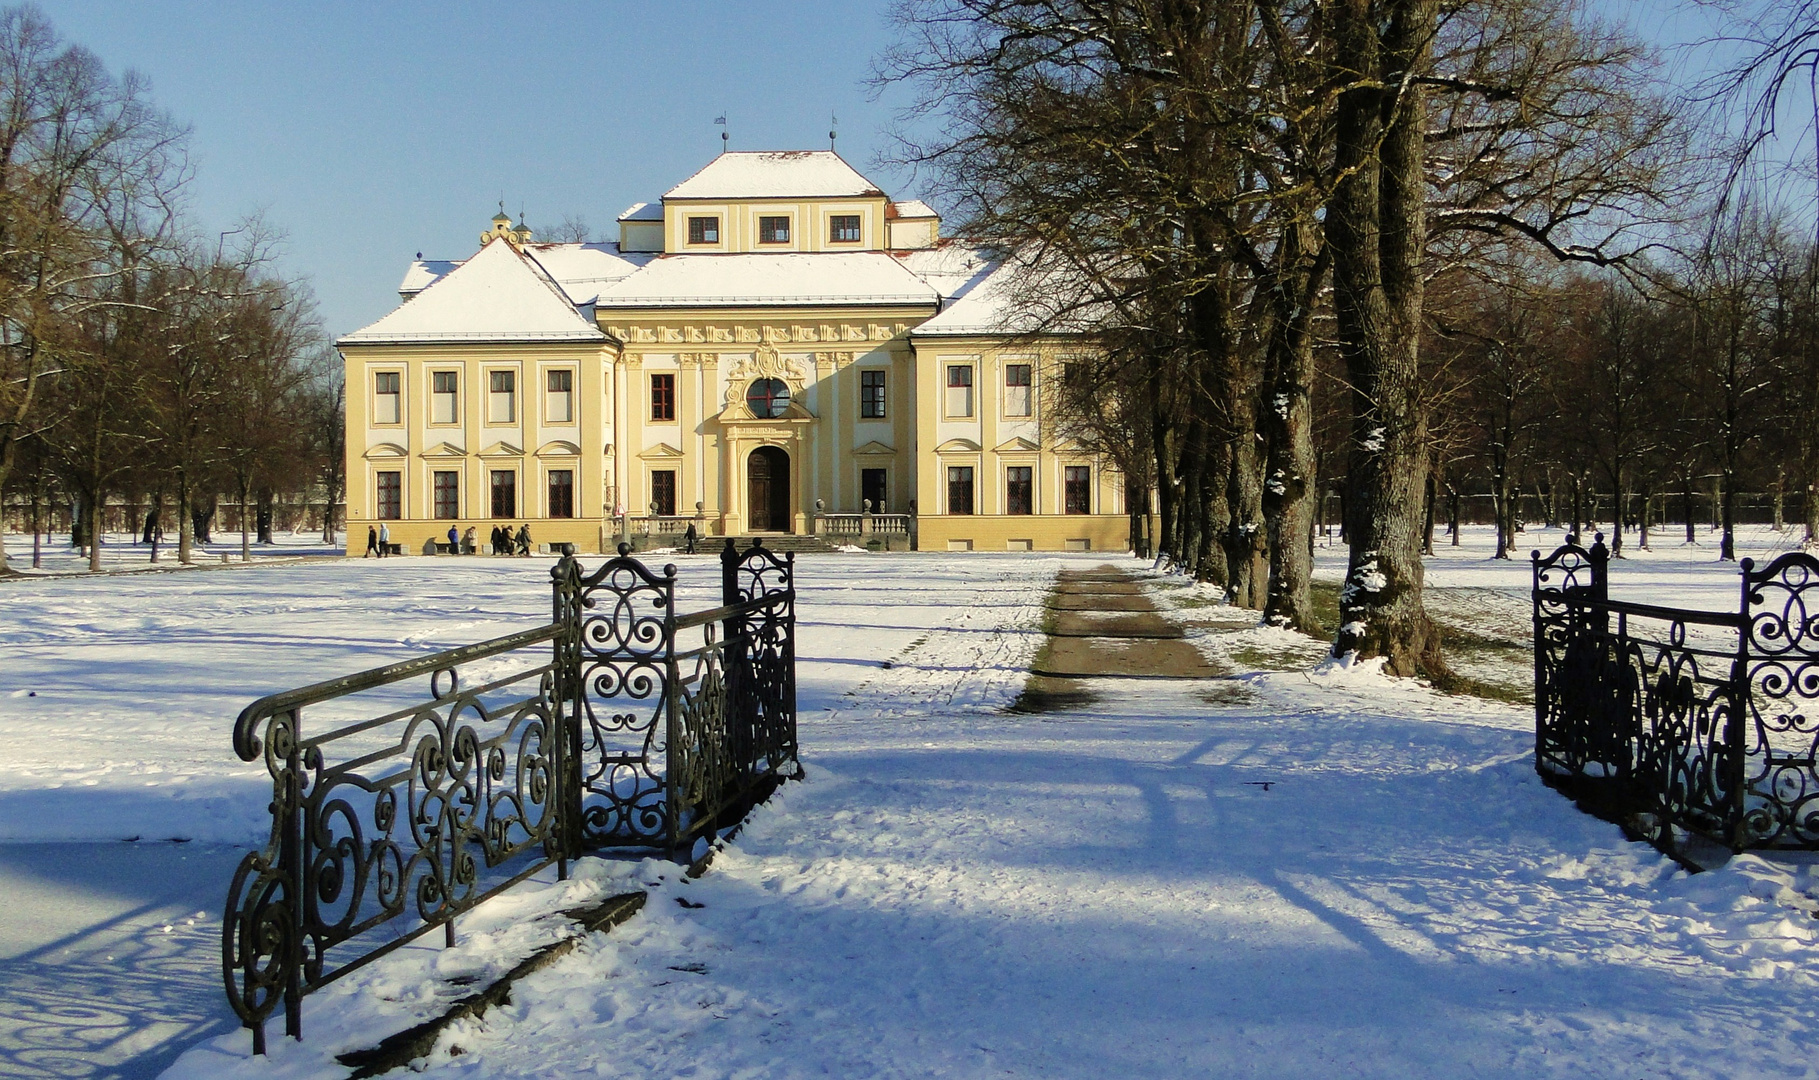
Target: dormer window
(704, 230)
(773, 230)
(843, 229)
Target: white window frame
(493, 397)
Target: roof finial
(724, 136)
(833, 129)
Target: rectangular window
(960, 390)
(1072, 371)
(562, 493)
(773, 230)
(843, 229)
(1017, 390)
(443, 403)
(871, 393)
(959, 489)
(704, 230)
(505, 494)
(663, 492)
(501, 403)
(561, 396)
(663, 396)
(447, 488)
(871, 489)
(391, 497)
(388, 397)
(1077, 494)
(1019, 490)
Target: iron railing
(619, 723)
(1678, 719)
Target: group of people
(378, 541)
(504, 541)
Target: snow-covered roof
(643, 211)
(498, 295)
(422, 273)
(950, 268)
(796, 278)
(775, 174)
(1002, 302)
(912, 208)
(584, 269)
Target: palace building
(773, 347)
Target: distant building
(774, 334)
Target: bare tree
(76, 144)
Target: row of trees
(1702, 376)
(135, 356)
(1268, 211)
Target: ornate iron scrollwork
(1707, 716)
(411, 814)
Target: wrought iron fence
(1703, 721)
(619, 723)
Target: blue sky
(371, 131)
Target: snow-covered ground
(1299, 873)
(121, 552)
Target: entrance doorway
(767, 490)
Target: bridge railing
(406, 795)
(1705, 722)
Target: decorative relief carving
(633, 360)
(746, 334)
(764, 363)
(695, 334)
(805, 333)
(669, 333)
(719, 333)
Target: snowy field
(1286, 874)
(119, 552)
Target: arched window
(767, 398)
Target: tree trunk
(1648, 513)
(1376, 228)
(186, 522)
(1432, 496)
(1686, 507)
(92, 515)
(1293, 484)
(246, 543)
(37, 530)
(1727, 513)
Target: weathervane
(724, 136)
(833, 129)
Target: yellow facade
(647, 401)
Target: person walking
(372, 543)
(385, 539)
(497, 545)
(524, 540)
(689, 538)
(468, 539)
(454, 540)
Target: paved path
(109, 956)
(1104, 625)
